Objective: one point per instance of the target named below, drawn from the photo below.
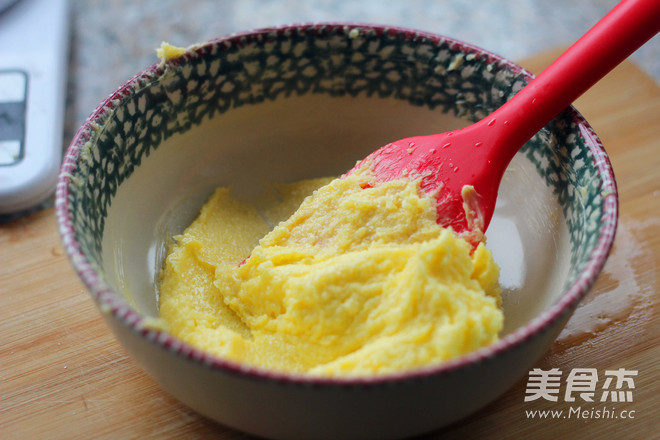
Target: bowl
(300, 101)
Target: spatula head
(453, 168)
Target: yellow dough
(355, 281)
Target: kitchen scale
(34, 38)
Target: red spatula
(475, 157)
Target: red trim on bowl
(112, 302)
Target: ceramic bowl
(302, 101)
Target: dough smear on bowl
(355, 281)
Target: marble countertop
(112, 40)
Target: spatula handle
(610, 41)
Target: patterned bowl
(304, 101)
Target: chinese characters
(581, 383)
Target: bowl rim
(116, 306)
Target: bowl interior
(287, 104)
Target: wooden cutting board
(64, 376)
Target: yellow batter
(355, 282)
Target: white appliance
(34, 40)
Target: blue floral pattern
(337, 60)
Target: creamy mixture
(354, 281)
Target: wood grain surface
(64, 376)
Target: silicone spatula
(463, 168)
